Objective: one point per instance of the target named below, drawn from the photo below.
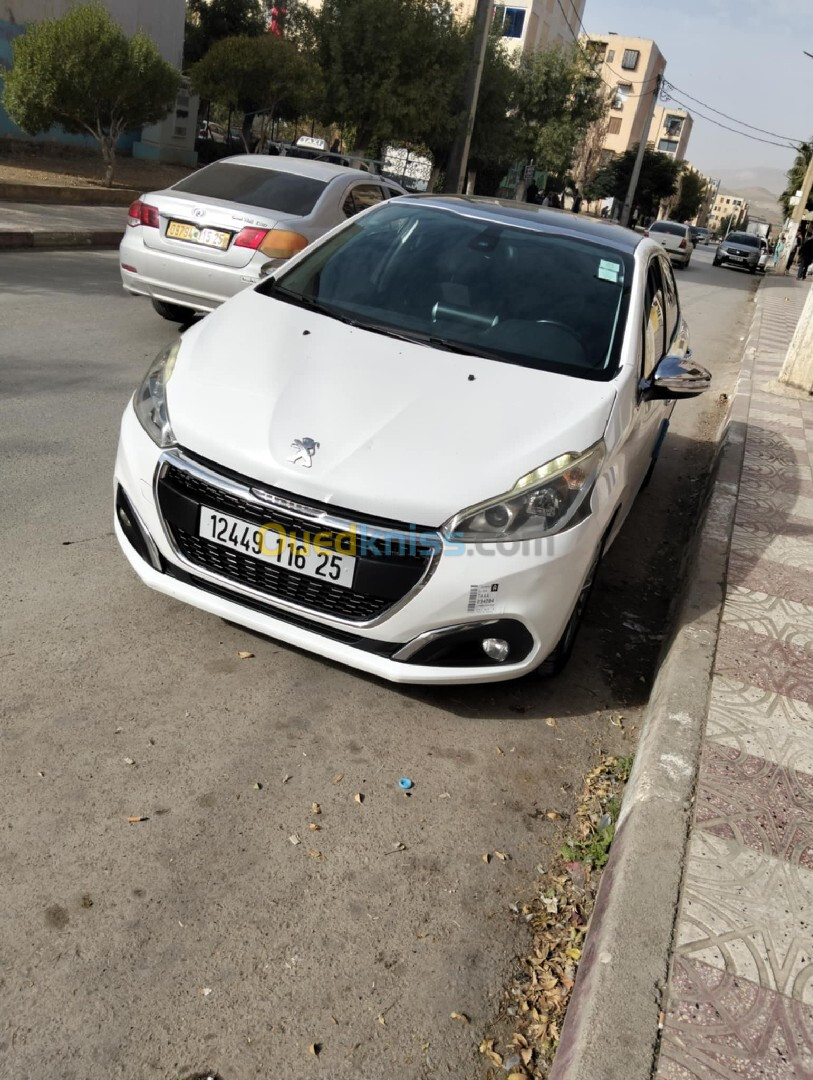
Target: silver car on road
(192, 246)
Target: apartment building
(629, 66)
(727, 206)
(533, 24)
(670, 130)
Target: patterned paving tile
(771, 577)
(778, 505)
(755, 802)
(748, 914)
(773, 616)
(721, 1027)
(754, 544)
(756, 484)
(771, 665)
(761, 724)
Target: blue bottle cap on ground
(405, 783)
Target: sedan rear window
(471, 285)
(743, 238)
(248, 185)
(668, 227)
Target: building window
(668, 146)
(511, 19)
(673, 126)
(614, 125)
(630, 59)
(622, 92)
(611, 56)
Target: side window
(672, 305)
(654, 319)
(360, 197)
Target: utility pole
(626, 209)
(796, 217)
(459, 156)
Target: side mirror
(676, 377)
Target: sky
(743, 57)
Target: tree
(209, 21)
(796, 175)
(558, 97)
(691, 193)
(389, 67)
(658, 179)
(590, 152)
(257, 74)
(82, 73)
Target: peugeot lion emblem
(200, 212)
(303, 451)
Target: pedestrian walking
(577, 202)
(797, 244)
(805, 257)
(546, 199)
(532, 192)
(554, 201)
(779, 247)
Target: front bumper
(745, 262)
(538, 583)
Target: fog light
(495, 648)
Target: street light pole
(459, 156)
(626, 209)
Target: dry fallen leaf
(399, 846)
(315, 1049)
(258, 786)
(333, 1018)
(500, 750)
(487, 857)
(337, 779)
(294, 839)
(286, 778)
(492, 1055)
(502, 856)
(314, 854)
(444, 795)
(554, 815)
(316, 808)
(40, 772)
(129, 761)
(459, 1016)
(359, 798)
(551, 721)
(206, 991)
(137, 817)
(314, 827)
(246, 655)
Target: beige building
(629, 66)
(670, 130)
(533, 24)
(727, 206)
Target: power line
(742, 123)
(745, 135)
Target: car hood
(405, 432)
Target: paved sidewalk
(42, 225)
(739, 1000)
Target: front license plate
(271, 545)
(181, 230)
(737, 258)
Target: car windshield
(474, 285)
(743, 238)
(668, 227)
(266, 189)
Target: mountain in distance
(760, 185)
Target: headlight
(150, 400)
(544, 501)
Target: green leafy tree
(258, 74)
(658, 179)
(389, 67)
(796, 175)
(209, 21)
(691, 193)
(558, 97)
(82, 73)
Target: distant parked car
(739, 249)
(676, 238)
(702, 234)
(192, 246)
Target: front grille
(380, 580)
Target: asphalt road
(202, 938)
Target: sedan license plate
(181, 230)
(271, 545)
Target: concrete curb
(18, 239)
(67, 196)
(611, 1028)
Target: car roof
(317, 170)
(671, 224)
(541, 218)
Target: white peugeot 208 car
(408, 449)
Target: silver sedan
(192, 246)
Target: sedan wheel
(173, 312)
(556, 661)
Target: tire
(556, 661)
(752, 269)
(176, 313)
(715, 261)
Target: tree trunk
(108, 144)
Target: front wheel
(556, 661)
(715, 262)
(173, 312)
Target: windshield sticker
(483, 599)
(608, 271)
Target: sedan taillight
(141, 213)
(250, 238)
(646, 232)
(282, 244)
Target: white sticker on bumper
(483, 600)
